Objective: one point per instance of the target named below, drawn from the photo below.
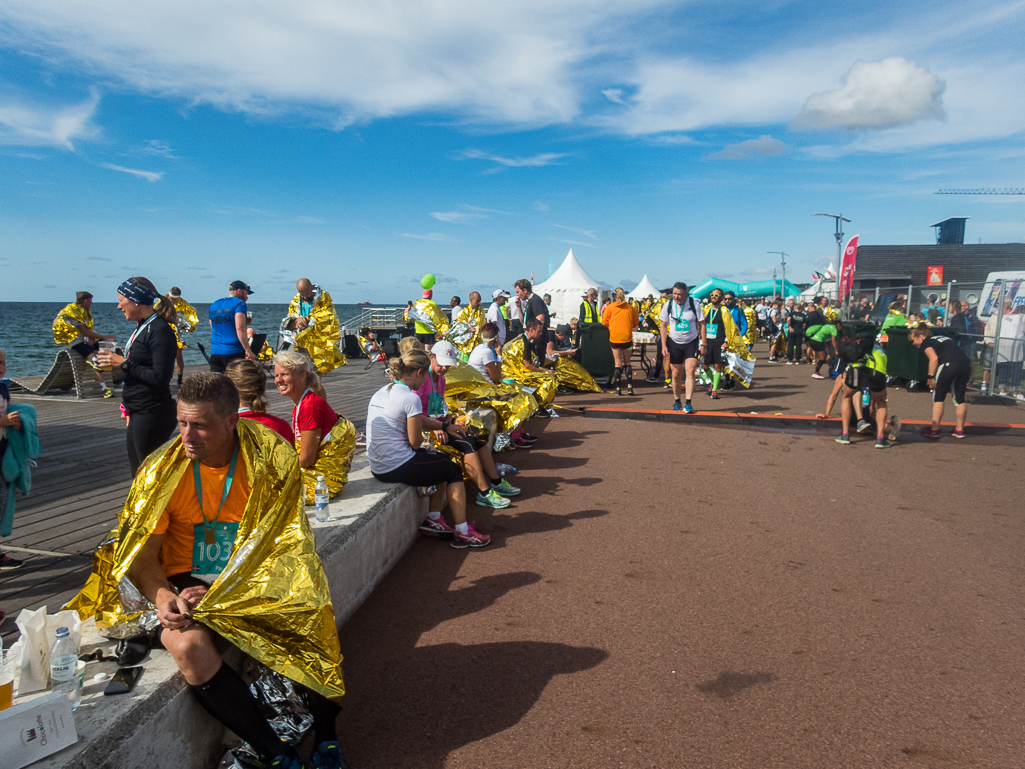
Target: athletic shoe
(894, 428)
(328, 755)
(531, 439)
(817, 375)
(108, 393)
(492, 499)
(436, 528)
(651, 379)
(928, 432)
(882, 443)
(715, 395)
(7, 563)
(844, 439)
(472, 538)
(542, 414)
(864, 426)
(505, 488)
(709, 390)
(953, 434)
(677, 406)
(286, 762)
(790, 363)
(687, 408)
(95, 366)
(520, 443)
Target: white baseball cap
(444, 353)
(500, 292)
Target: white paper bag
(38, 632)
(36, 729)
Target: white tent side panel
(567, 285)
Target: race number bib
(713, 330)
(682, 326)
(210, 558)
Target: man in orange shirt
(193, 541)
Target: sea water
(26, 334)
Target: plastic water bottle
(64, 667)
(320, 500)
(865, 398)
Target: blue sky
(363, 144)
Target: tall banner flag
(850, 255)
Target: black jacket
(147, 381)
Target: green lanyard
(208, 526)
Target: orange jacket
(620, 318)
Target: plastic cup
(106, 346)
(6, 680)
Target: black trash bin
(595, 351)
(904, 360)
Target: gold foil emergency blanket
(734, 343)
(752, 325)
(467, 389)
(426, 313)
(64, 331)
(185, 322)
(569, 373)
(320, 338)
(544, 385)
(474, 319)
(334, 459)
(651, 316)
(272, 600)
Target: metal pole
(996, 340)
(875, 302)
(950, 298)
(911, 288)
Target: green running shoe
(492, 499)
(505, 488)
(844, 439)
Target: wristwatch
(124, 366)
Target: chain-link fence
(988, 318)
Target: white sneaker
(894, 428)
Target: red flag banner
(850, 255)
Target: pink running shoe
(472, 538)
(957, 434)
(928, 432)
(438, 528)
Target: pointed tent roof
(569, 277)
(644, 288)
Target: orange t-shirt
(177, 522)
(621, 319)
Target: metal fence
(988, 317)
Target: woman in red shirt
(251, 381)
(621, 319)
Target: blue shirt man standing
(228, 339)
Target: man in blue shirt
(228, 339)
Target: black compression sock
(227, 698)
(325, 714)
(494, 481)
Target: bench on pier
(69, 371)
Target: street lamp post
(839, 236)
(783, 282)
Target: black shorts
(714, 354)
(219, 363)
(621, 345)
(467, 445)
(424, 469)
(952, 377)
(860, 377)
(85, 350)
(680, 352)
(817, 346)
(427, 339)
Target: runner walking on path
(682, 331)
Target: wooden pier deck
(83, 478)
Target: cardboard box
(36, 729)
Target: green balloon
(427, 281)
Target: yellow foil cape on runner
(512, 406)
(272, 600)
(427, 315)
(512, 366)
(475, 319)
(334, 459)
(571, 374)
(734, 344)
(651, 316)
(64, 331)
(752, 325)
(186, 321)
(320, 338)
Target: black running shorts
(860, 377)
(85, 350)
(424, 469)
(714, 354)
(952, 377)
(680, 352)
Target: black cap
(237, 284)
(563, 330)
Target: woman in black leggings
(148, 363)
(395, 431)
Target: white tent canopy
(644, 288)
(567, 285)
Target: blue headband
(134, 291)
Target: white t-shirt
(455, 312)
(387, 438)
(515, 312)
(495, 316)
(681, 322)
(761, 311)
(480, 357)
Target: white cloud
(47, 126)
(533, 161)
(876, 95)
(763, 145)
(156, 148)
(588, 233)
(573, 242)
(673, 139)
(150, 176)
(614, 94)
(542, 207)
(456, 217)
(436, 236)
